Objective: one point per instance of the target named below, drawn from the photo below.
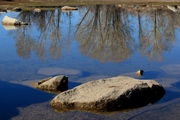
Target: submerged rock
(109, 94)
(12, 21)
(57, 70)
(57, 83)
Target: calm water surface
(91, 43)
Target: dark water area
(88, 44)
(14, 95)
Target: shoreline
(84, 2)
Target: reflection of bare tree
(104, 33)
(24, 44)
(42, 36)
(156, 33)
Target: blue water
(85, 45)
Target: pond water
(88, 44)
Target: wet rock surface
(109, 94)
(57, 83)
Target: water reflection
(156, 32)
(48, 26)
(43, 36)
(106, 33)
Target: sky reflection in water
(102, 41)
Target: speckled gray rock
(57, 83)
(109, 94)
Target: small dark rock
(140, 73)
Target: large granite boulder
(109, 94)
(57, 83)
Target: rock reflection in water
(106, 33)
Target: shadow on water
(13, 96)
(169, 96)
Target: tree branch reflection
(43, 36)
(156, 32)
(106, 33)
